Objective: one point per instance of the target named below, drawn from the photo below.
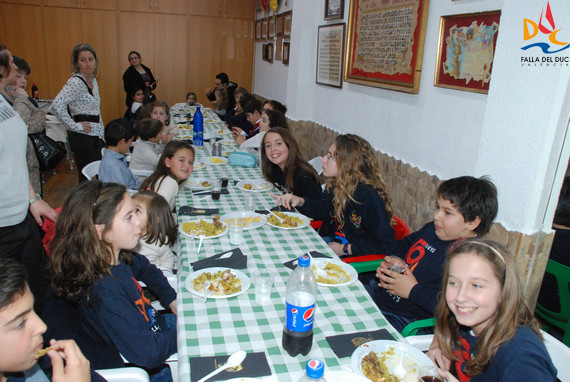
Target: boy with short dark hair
(148, 149)
(252, 111)
(119, 135)
(465, 208)
(21, 338)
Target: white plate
(205, 237)
(218, 160)
(209, 136)
(245, 214)
(227, 142)
(343, 376)
(413, 359)
(196, 184)
(245, 282)
(258, 185)
(198, 165)
(306, 220)
(350, 271)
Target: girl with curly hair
(355, 200)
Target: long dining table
(224, 326)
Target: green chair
(560, 320)
(412, 328)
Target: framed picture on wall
(278, 49)
(330, 54)
(286, 50)
(271, 26)
(279, 24)
(258, 30)
(385, 44)
(270, 52)
(334, 9)
(466, 51)
(264, 29)
(287, 20)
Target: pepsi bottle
(198, 128)
(314, 371)
(300, 300)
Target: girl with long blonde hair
(355, 200)
(485, 331)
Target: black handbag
(48, 151)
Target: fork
(206, 286)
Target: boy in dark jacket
(465, 208)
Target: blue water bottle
(198, 128)
(300, 300)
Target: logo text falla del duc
(543, 45)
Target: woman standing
(29, 111)
(78, 107)
(138, 75)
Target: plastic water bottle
(314, 371)
(300, 300)
(198, 128)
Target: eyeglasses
(133, 58)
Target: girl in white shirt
(174, 167)
(158, 232)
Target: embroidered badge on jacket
(355, 220)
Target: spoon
(234, 360)
(399, 370)
(274, 214)
(200, 243)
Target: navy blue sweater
(119, 313)
(523, 358)
(366, 225)
(117, 318)
(425, 254)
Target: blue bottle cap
(304, 261)
(315, 368)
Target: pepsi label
(299, 318)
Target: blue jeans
(397, 321)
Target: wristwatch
(345, 251)
(35, 198)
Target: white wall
(512, 134)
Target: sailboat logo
(545, 26)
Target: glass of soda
(429, 374)
(216, 189)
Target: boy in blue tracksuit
(465, 208)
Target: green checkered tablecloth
(224, 326)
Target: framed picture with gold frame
(287, 21)
(264, 29)
(279, 24)
(466, 51)
(270, 52)
(385, 44)
(286, 52)
(278, 56)
(258, 30)
(271, 27)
